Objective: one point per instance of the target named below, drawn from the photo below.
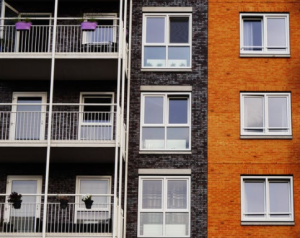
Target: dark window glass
(179, 30)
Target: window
(264, 34)
(101, 208)
(106, 31)
(164, 207)
(167, 41)
(267, 198)
(266, 114)
(96, 116)
(165, 121)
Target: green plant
(14, 196)
(91, 19)
(62, 198)
(27, 20)
(86, 197)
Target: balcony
(71, 41)
(73, 220)
(80, 125)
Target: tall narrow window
(265, 114)
(264, 33)
(164, 207)
(167, 41)
(165, 121)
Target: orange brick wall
(228, 155)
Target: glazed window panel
(166, 41)
(264, 34)
(165, 121)
(266, 114)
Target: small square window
(266, 114)
(264, 34)
(267, 198)
(167, 41)
(165, 121)
(164, 206)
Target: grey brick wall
(197, 161)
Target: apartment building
(253, 119)
(63, 93)
(167, 175)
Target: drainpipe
(2, 18)
(127, 117)
(50, 118)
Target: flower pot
(88, 26)
(88, 204)
(23, 26)
(63, 204)
(17, 204)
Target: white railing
(19, 124)
(70, 220)
(69, 39)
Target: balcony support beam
(50, 119)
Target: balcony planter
(87, 199)
(88, 26)
(23, 26)
(64, 201)
(15, 199)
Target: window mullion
(265, 36)
(167, 39)
(166, 117)
(267, 199)
(266, 114)
(164, 206)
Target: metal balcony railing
(72, 219)
(69, 39)
(22, 122)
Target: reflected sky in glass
(276, 32)
(155, 56)
(155, 30)
(153, 110)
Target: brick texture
(228, 155)
(197, 161)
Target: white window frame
(265, 115)
(10, 178)
(164, 208)
(167, 37)
(81, 110)
(263, 18)
(267, 213)
(102, 15)
(78, 198)
(43, 95)
(165, 123)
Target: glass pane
(153, 138)
(253, 34)
(97, 113)
(278, 112)
(155, 30)
(178, 138)
(155, 56)
(177, 224)
(177, 194)
(151, 224)
(178, 110)
(279, 196)
(152, 194)
(254, 196)
(179, 30)
(276, 31)
(154, 109)
(95, 187)
(179, 57)
(28, 119)
(253, 113)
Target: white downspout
(50, 118)
(118, 120)
(2, 18)
(127, 117)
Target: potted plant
(23, 25)
(15, 199)
(88, 24)
(87, 199)
(64, 201)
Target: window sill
(166, 70)
(165, 152)
(267, 223)
(245, 55)
(262, 137)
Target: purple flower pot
(23, 26)
(88, 26)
